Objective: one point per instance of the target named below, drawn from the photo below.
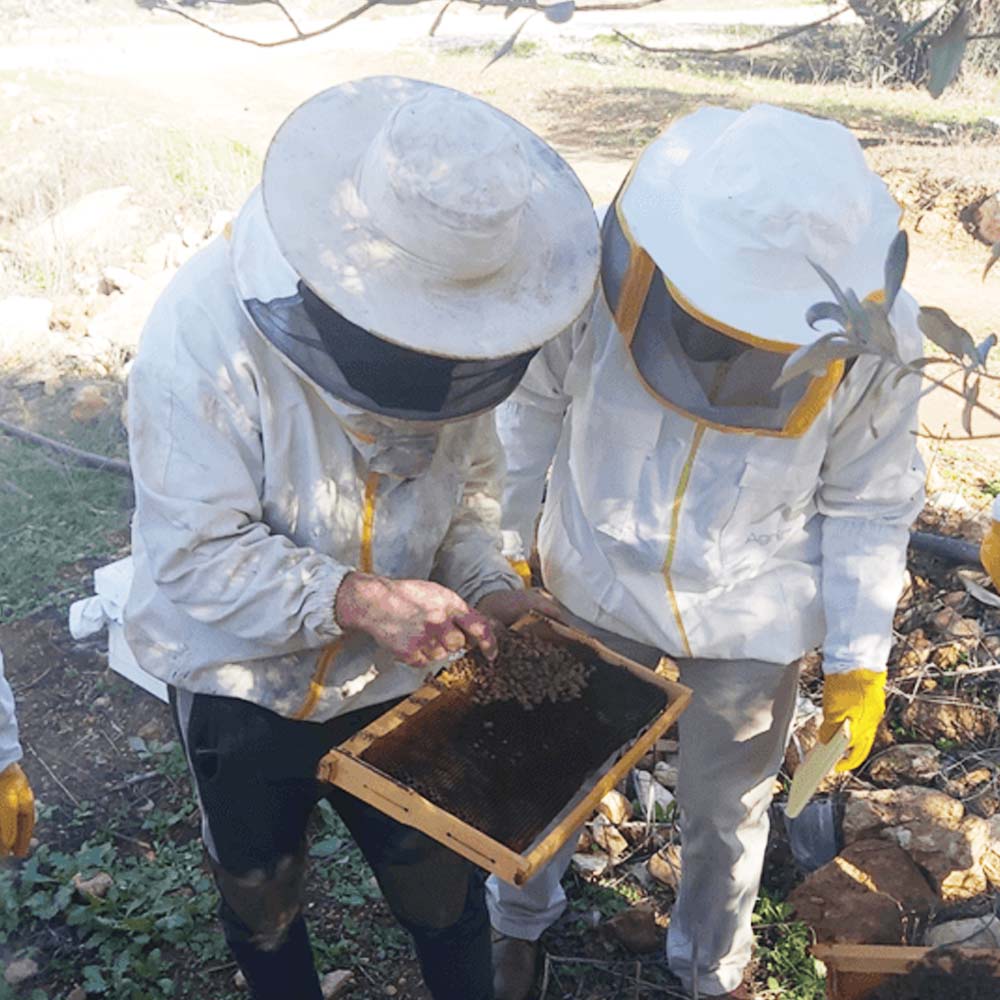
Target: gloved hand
(523, 569)
(506, 606)
(859, 696)
(17, 812)
(419, 622)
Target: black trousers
(254, 772)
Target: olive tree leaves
(862, 327)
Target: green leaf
(508, 45)
(895, 267)
(93, 981)
(560, 13)
(946, 54)
(939, 327)
(326, 847)
(816, 357)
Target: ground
(110, 95)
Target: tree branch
(734, 50)
(76, 455)
(300, 36)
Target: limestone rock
(953, 626)
(24, 322)
(20, 971)
(590, 866)
(938, 719)
(95, 887)
(932, 828)
(615, 807)
(239, 980)
(88, 221)
(860, 897)
(667, 773)
(974, 932)
(908, 764)
(122, 322)
(636, 929)
(336, 984)
(991, 858)
(88, 405)
(987, 219)
(665, 867)
(118, 279)
(608, 837)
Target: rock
(667, 774)
(101, 703)
(24, 323)
(390, 990)
(987, 219)
(665, 867)
(239, 980)
(974, 932)
(862, 895)
(940, 719)
(955, 599)
(966, 784)
(952, 625)
(991, 859)
(121, 323)
(20, 971)
(932, 828)
(95, 887)
(336, 984)
(615, 807)
(88, 405)
(88, 221)
(219, 223)
(651, 794)
(607, 836)
(166, 254)
(117, 279)
(636, 929)
(909, 764)
(77, 993)
(590, 866)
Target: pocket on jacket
(774, 499)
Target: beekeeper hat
(430, 219)
(732, 207)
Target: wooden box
(855, 971)
(511, 786)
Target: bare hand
(419, 622)
(506, 606)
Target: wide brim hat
(734, 207)
(431, 219)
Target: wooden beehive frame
(855, 971)
(344, 768)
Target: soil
(948, 976)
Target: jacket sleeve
(10, 747)
(872, 488)
(469, 560)
(529, 424)
(198, 465)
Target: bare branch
(76, 455)
(440, 17)
(291, 20)
(736, 49)
(171, 8)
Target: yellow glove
(858, 695)
(989, 552)
(17, 812)
(522, 569)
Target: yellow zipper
(675, 517)
(365, 564)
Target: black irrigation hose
(951, 550)
(77, 455)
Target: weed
(786, 967)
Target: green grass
(53, 515)
(787, 970)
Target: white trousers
(732, 741)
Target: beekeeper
(697, 511)
(17, 803)
(317, 482)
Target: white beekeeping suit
(695, 509)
